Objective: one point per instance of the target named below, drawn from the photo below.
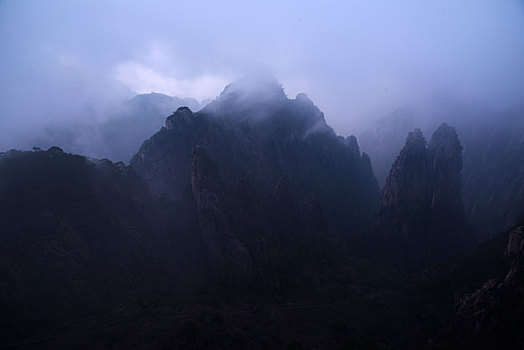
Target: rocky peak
(352, 144)
(183, 115)
(445, 154)
(415, 141)
(254, 86)
(248, 94)
(268, 138)
(422, 198)
(303, 98)
(445, 149)
(407, 181)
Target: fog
(72, 61)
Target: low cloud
(143, 79)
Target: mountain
(83, 237)
(258, 130)
(421, 203)
(251, 224)
(121, 131)
(134, 121)
(493, 148)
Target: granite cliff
(421, 202)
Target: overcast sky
(357, 60)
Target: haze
(75, 60)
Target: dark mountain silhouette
(79, 234)
(493, 149)
(251, 224)
(260, 130)
(490, 316)
(421, 203)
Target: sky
(357, 60)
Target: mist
(66, 62)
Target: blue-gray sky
(357, 60)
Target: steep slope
(421, 203)
(256, 128)
(229, 258)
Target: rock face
(257, 129)
(491, 316)
(228, 257)
(421, 202)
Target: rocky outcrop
(259, 234)
(493, 175)
(422, 203)
(515, 252)
(182, 116)
(407, 189)
(491, 316)
(228, 257)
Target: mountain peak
(181, 115)
(422, 198)
(445, 136)
(255, 85)
(303, 97)
(415, 137)
(249, 94)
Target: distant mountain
(120, 133)
(134, 121)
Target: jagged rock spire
(422, 200)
